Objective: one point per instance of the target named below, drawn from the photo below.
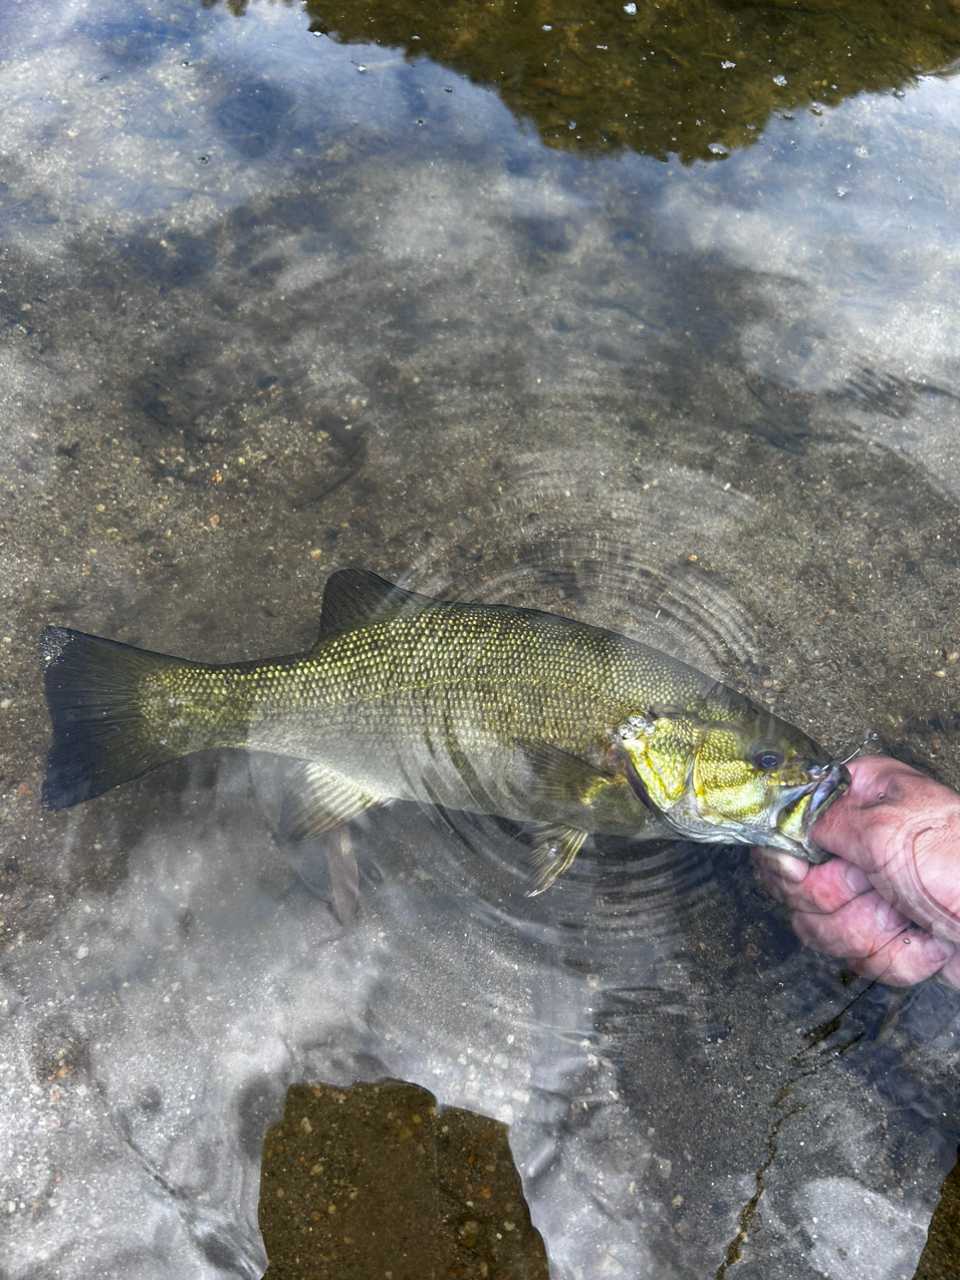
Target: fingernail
(782, 864)
(936, 951)
(856, 878)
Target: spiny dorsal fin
(356, 598)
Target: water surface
(280, 300)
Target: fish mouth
(830, 782)
(811, 800)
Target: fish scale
(490, 708)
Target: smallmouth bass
(489, 708)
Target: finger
(876, 789)
(886, 803)
(856, 930)
(904, 829)
(911, 957)
(823, 889)
(778, 871)
(931, 873)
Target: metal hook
(871, 737)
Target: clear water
(268, 314)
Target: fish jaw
(790, 813)
(796, 814)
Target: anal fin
(316, 800)
(556, 847)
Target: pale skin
(888, 903)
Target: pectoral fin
(558, 776)
(317, 800)
(555, 848)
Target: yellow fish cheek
(727, 786)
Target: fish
(534, 717)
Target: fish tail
(101, 735)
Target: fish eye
(768, 759)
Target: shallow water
(269, 314)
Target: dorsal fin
(356, 598)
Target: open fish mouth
(833, 780)
(830, 781)
(827, 783)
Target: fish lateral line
(494, 709)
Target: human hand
(889, 902)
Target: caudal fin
(100, 737)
